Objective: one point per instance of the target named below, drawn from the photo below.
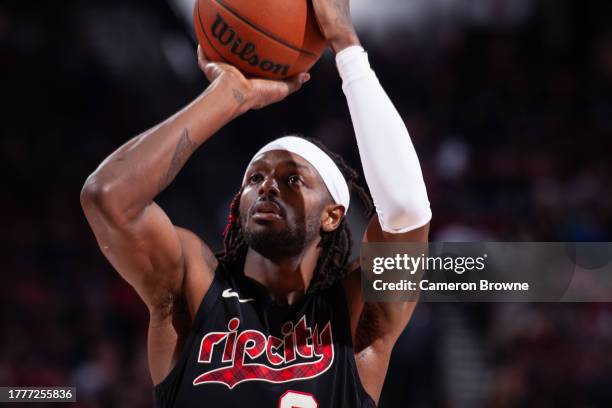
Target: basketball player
(277, 319)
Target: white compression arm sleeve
(390, 163)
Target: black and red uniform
(244, 350)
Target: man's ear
(331, 217)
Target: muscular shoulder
(184, 299)
(200, 266)
(195, 250)
(354, 299)
(370, 324)
(371, 351)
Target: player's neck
(287, 279)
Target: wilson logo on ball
(272, 39)
(246, 51)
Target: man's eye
(255, 178)
(294, 179)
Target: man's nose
(269, 186)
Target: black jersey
(243, 349)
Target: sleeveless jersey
(244, 350)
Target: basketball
(272, 39)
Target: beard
(274, 243)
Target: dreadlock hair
(335, 245)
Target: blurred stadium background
(509, 103)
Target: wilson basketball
(264, 38)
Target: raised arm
(167, 266)
(393, 174)
(131, 229)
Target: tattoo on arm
(238, 96)
(184, 148)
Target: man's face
(283, 204)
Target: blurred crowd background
(509, 104)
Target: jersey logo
(301, 354)
(228, 293)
